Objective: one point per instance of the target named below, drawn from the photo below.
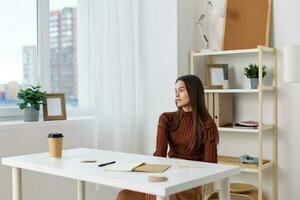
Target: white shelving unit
(263, 165)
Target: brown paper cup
(55, 142)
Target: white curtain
(114, 54)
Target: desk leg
(224, 189)
(16, 183)
(80, 190)
(162, 198)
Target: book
(247, 123)
(244, 127)
(137, 167)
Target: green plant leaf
(22, 105)
(252, 71)
(36, 106)
(31, 96)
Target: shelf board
(235, 161)
(231, 90)
(266, 88)
(245, 130)
(228, 52)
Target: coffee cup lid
(55, 135)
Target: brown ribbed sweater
(179, 142)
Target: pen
(108, 163)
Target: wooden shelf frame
(260, 52)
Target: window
(56, 66)
(18, 60)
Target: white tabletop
(182, 175)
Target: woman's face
(181, 96)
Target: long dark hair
(195, 91)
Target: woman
(190, 132)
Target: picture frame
(217, 73)
(54, 107)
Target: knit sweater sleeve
(162, 136)
(161, 142)
(211, 138)
(150, 197)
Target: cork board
(246, 24)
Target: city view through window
(18, 61)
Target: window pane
(18, 61)
(63, 49)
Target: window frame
(43, 61)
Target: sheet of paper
(217, 76)
(54, 106)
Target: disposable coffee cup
(55, 142)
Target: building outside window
(63, 51)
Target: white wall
(188, 36)
(285, 30)
(159, 64)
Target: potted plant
(252, 73)
(32, 98)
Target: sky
(18, 29)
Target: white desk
(182, 175)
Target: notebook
(152, 168)
(136, 167)
(123, 166)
